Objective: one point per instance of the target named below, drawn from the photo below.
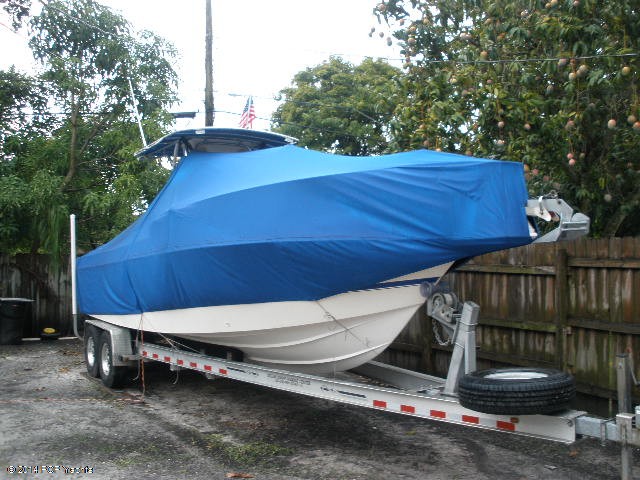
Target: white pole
(74, 300)
(136, 112)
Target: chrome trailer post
(72, 258)
(463, 357)
(461, 329)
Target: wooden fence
(49, 286)
(572, 305)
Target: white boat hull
(329, 335)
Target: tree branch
(75, 108)
(615, 221)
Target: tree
(84, 162)
(552, 84)
(19, 95)
(339, 107)
(17, 10)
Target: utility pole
(209, 113)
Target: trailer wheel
(516, 391)
(91, 352)
(112, 376)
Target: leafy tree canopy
(550, 83)
(73, 152)
(17, 10)
(339, 107)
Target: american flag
(248, 114)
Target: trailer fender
(120, 338)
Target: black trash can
(13, 316)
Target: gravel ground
(53, 414)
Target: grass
(252, 453)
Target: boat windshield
(213, 140)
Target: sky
(258, 46)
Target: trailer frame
(392, 389)
(373, 385)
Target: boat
(301, 260)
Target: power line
(334, 105)
(310, 104)
(298, 125)
(84, 22)
(424, 60)
(341, 133)
(528, 60)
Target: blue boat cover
(287, 223)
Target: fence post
(625, 405)
(561, 301)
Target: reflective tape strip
(470, 419)
(506, 425)
(436, 407)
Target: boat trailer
(379, 386)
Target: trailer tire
(517, 391)
(112, 376)
(91, 350)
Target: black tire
(517, 391)
(112, 376)
(91, 351)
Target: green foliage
(17, 10)
(19, 95)
(18, 92)
(339, 107)
(544, 83)
(80, 157)
(253, 453)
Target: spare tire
(517, 391)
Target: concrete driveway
(56, 422)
